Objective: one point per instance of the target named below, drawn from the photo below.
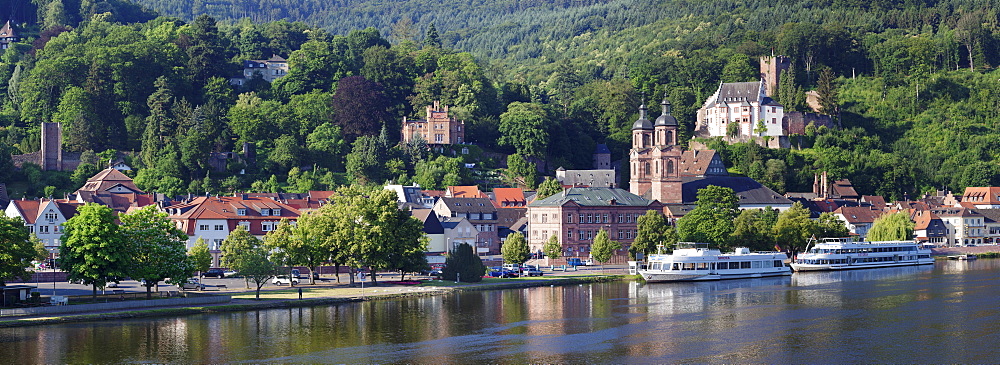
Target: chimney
(826, 186)
(816, 185)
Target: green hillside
(912, 83)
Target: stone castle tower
(52, 158)
(655, 157)
(770, 71)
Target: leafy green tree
(93, 250)
(553, 249)
(207, 53)
(16, 250)
(525, 128)
(653, 231)
(248, 255)
(891, 227)
(462, 263)
(366, 162)
(156, 248)
(521, 172)
(793, 228)
(603, 247)
(753, 229)
(299, 245)
(515, 249)
(830, 226)
(712, 220)
(432, 39)
(739, 69)
(41, 253)
(200, 256)
(827, 91)
(548, 188)
(326, 147)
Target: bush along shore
(372, 293)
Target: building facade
(481, 213)
(655, 157)
(44, 218)
(744, 104)
(270, 69)
(576, 215)
(437, 129)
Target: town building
(587, 178)
(437, 129)
(270, 69)
(481, 213)
(964, 226)
(982, 197)
(655, 157)
(576, 215)
(458, 230)
(992, 223)
(114, 189)
(508, 198)
(858, 219)
(212, 218)
(745, 105)
(928, 227)
(44, 218)
(8, 36)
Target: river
(941, 313)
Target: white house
(44, 218)
(745, 104)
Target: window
(581, 218)
(241, 211)
(267, 226)
(51, 217)
(590, 218)
(605, 218)
(569, 218)
(545, 234)
(43, 229)
(218, 227)
(581, 234)
(203, 227)
(245, 225)
(216, 243)
(439, 138)
(534, 234)
(545, 218)
(569, 234)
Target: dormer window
(241, 211)
(275, 211)
(265, 212)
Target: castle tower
(602, 157)
(770, 71)
(52, 146)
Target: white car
(284, 280)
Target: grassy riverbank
(313, 296)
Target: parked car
(231, 273)
(574, 261)
(284, 280)
(434, 270)
(499, 272)
(193, 284)
(298, 275)
(215, 273)
(530, 270)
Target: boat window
(777, 263)
(702, 266)
(656, 266)
(689, 266)
(676, 266)
(755, 264)
(745, 264)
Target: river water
(942, 313)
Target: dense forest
(911, 83)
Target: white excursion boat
(845, 254)
(697, 262)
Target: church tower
(656, 163)
(642, 143)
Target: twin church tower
(655, 157)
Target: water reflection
(939, 313)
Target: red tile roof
(982, 195)
(509, 198)
(228, 208)
(855, 215)
(465, 192)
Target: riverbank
(312, 296)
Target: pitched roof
(464, 192)
(7, 31)
(874, 200)
(602, 149)
(593, 197)
(227, 207)
(991, 215)
(106, 180)
(700, 163)
(749, 191)
(432, 225)
(587, 178)
(737, 91)
(468, 205)
(859, 215)
(982, 195)
(508, 197)
(844, 189)
(28, 209)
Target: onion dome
(665, 119)
(642, 123)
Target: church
(660, 170)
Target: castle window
(670, 166)
(647, 168)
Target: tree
(16, 250)
(553, 249)
(653, 231)
(432, 39)
(299, 245)
(548, 188)
(156, 248)
(753, 229)
(463, 264)
(827, 91)
(524, 126)
(739, 69)
(515, 249)
(793, 228)
(93, 250)
(603, 247)
(521, 172)
(200, 256)
(41, 253)
(248, 255)
(891, 227)
(712, 220)
(830, 226)
(361, 107)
